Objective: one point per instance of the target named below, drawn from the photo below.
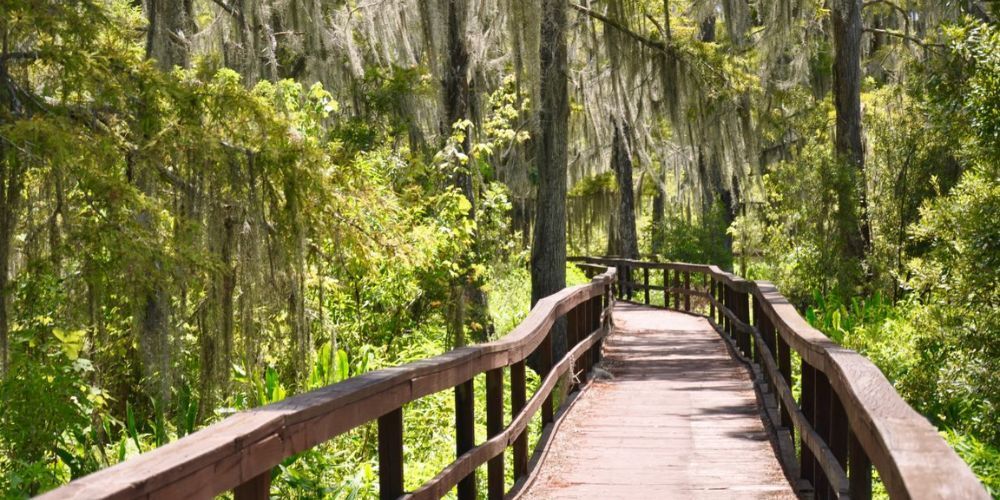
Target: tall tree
(12, 172)
(171, 24)
(621, 164)
(458, 98)
(457, 107)
(548, 248)
(668, 77)
(167, 43)
(854, 229)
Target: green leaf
(342, 368)
(130, 424)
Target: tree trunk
(659, 214)
(458, 106)
(152, 315)
(855, 232)
(10, 196)
(548, 249)
(708, 29)
(170, 26)
(729, 210)
(621, 164)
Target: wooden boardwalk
(678, 418)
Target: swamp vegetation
(209, 205)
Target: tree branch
(229, 8)
(895, 7)
(618, 26)
(667, 48)
(904, 36)
(27, 55)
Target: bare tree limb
(618, 26)
(906, 37)
(229, 8)
(870, 3)
(27, 56)
(666, 48)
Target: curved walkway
(676, 418)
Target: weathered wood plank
(219, 458)
(390, 454)
(494, 426)
(678, 419)
(446, 479)
(911, 458)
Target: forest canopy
(208, 205)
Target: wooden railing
(240, 452)
(848, 416)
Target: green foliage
(46, 427)
(695, 241)
(981, 457)
(326, 250)
(595, 185)
(971, 91)
(795, 229)
(959, 281)
(932, 182)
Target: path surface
(679, 419)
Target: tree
(548, 248)
(167, 43)
(458, 108)
(621, 164)
(852, 218)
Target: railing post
(545, 363)
(807, 400)
(758, 321)
(518, 399)
(494, 426)
(390, 455)
(860, 475)
(645, 283)
(465, 433)
(629, 283)
(573, 336)
(785, 367)
(585, 321)
(687, 287)
(666, 285)
(822, 417)
(709, 284)
(741, 335)
(838, 430)
(257, 488)
(677, 286)
(747, 336)
(596, 310)
(727, 303)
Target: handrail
(240, 452)
(848, 417)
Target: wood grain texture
(237, 450)
(912, 459)
(469, 461)
(679, 419)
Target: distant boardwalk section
(679, 419)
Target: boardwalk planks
(677, 419)
(912, 460)
(849, 418)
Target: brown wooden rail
(848, 416)
(240, 452)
